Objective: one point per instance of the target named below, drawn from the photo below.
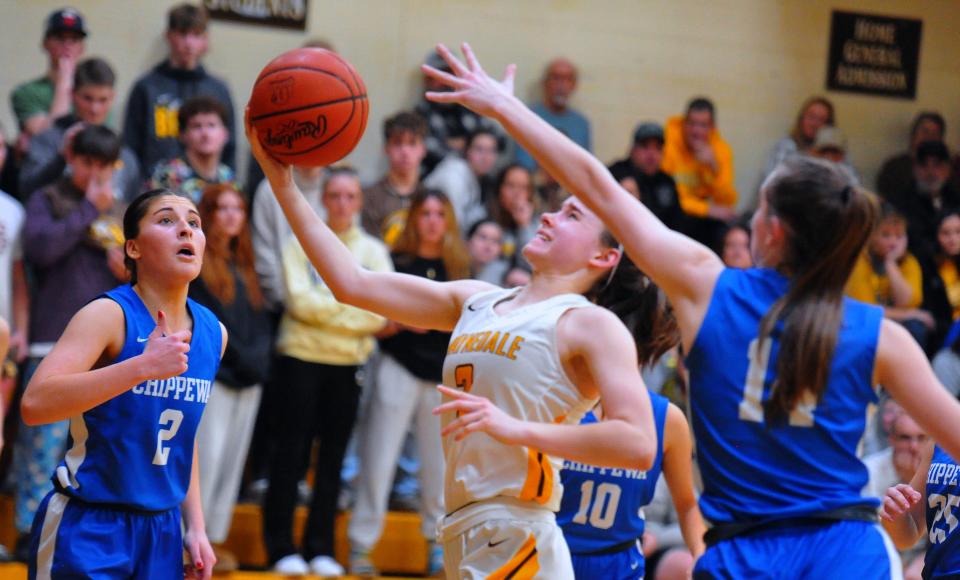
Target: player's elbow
(32, 409)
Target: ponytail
(827, 221)
(640, 305)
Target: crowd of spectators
(303, 373)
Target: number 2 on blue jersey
(172, 418)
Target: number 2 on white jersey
(751, 408)
(170, 419)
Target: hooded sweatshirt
(151, 127)
(698, 185)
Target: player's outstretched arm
(678, 470)
(407, 299)
(595, 343)
(901, 510)
(64, 385)
(685, 269)
(903, 369)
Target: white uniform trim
(48, 534)
(67, 476)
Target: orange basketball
(309, 107)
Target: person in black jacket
(150, 126)
(228, 286)
(640, 174)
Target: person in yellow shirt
(888, 275)
(701, 163)
(322, 343)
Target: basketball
(309, 107)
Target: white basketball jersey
(512, 360)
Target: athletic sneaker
(326, 566)
(434, 559)
(292, 565)
(361, 565)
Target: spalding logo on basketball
(309, 107)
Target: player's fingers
(455, 65)
(509, 75)
(442, 76)
(456, 393)
(471, 58)
(444, 96)
(162, 323)
(461, 407)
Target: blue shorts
(842, 550)
(623, 565)
(74, 539)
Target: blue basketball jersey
(602, 507)
(942, 511)
(755, 471)
(136, 449)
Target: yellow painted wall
(639, 59)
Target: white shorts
(502, 539)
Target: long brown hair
(639, 304)
(221, 252)
(797, 133)
(495, 207)
(456, 259)
(827, 223)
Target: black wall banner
(876, 55)
(278, 13)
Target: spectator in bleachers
(14, 296)
(559, 83)
(449, 125)
(322, 345)
(38, 102)
(887, 275)
(72, 265)
(641, 175)
(462, 178)
(271, 230)
(409, 371)
(228, 286)
(516, 210)
(151, 126)
(831, 144)
(895, 465)
(484, 147)
(386, 201)
(897, 173)
(701, 163)
(946, 365)
(204, 133)
(816, 112)
(930, 191)
(92, 98)
(484, 242)
(941, 279)
(735, 251)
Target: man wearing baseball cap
(36, 103)
(640, 174)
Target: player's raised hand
(276, 172)
(477, 414)
(898, 500)
(166, 352)
(470, 85)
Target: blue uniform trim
(136, 449)
(942, 505)
(753, 471)
(603, 543)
